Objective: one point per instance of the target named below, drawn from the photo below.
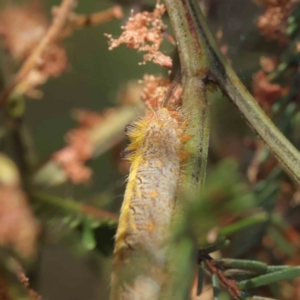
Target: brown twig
(96, 212)
(72, 206)
(31, 62)
(213, 268)
(79, 21)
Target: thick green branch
(201, 63)
(195, 104)
(213, 66)
(182, 256)
(182, 251)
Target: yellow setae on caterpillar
(155, 154)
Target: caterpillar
(155, 154)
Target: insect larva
(143, 231)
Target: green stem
(73, 207)
(243, 264)
(195, 104)
(24, 147)
(246, 222)
(14, 119)
(194, 68)
(202, 63)
(286, 274)
(215, 68)
(216, 286)
(182, 256)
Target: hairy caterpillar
(155, 154)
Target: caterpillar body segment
(155, 154)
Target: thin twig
(21, 137)
(227, 282)
(23, 145)
(96, 212)
(79, 21)
(73, 206)
(31, 62)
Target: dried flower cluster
(265, 92)
(21, 29)
(80, 147)
(269, 64)
(53, 63)
(273, 22)
(30, 39)
(143, 32)
(154, 92)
